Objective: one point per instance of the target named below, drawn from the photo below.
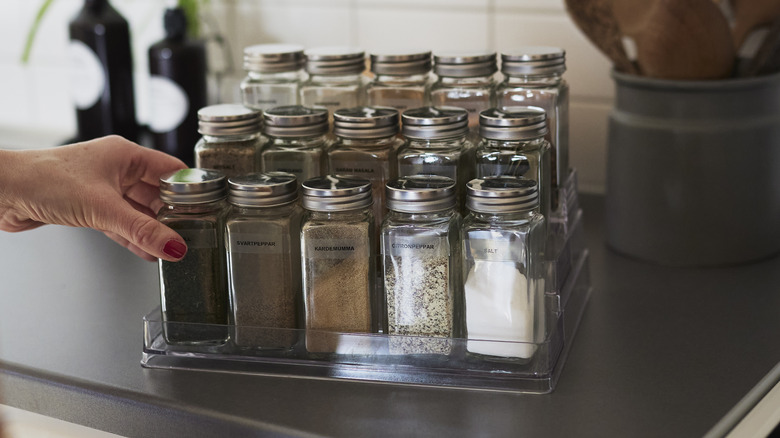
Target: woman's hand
(109, 184)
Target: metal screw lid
(228, 119)
(465, 64)
(420, 194)
(513, 123)
(336, 193)
(335, 61)
(263, 189)
(295, 121)
(365, 122)
(435, 122)
(274, 58)
(531, 61)
(192, 186)
(401, 63)
(502, 194)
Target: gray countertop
(660, 352)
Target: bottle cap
(192, 186)
(228, 119)
(336, 193)
(274, 58)
(295, 121)
(365, 122)
(513, 123)
(401, 63)
(532, 61)
(465, 64)
(502, 194)
(335, 61)
(435, 122)
(263, 189)
(420, 194)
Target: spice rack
(375, 358)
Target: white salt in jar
(503, 268)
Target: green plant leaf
(34, 30)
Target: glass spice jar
(335, 78)
(366, 141)
(503, 270)
(263, 254)
(194, 289)
(437, 144)
(421, 264)
(231, 139)
(513, 143)
(274, 75)
(339, 273)
(465, 81)
(533, 76)
(297, 141)
(402, 80)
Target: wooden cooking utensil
(678, 39)
(594, 18)
(750, 15)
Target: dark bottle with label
(102, 72)
(177, 88)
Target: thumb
(149, 235)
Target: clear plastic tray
(376, 357)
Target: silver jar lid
(274, 58)
(336, 193)
(295, 121)
(401, 63)
(228, 119)
(420, 194)
(192, 186)
(365, 122)
(263, 189)
(513, 123)
(502, 194)
(335, 61)
(465, 64)
(435, 122)
(531, 61)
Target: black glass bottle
(103, 72)
(177, 88)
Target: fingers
(145, 197)
(148, 165)
(146, 234)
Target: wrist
(10, 163)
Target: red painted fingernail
(175, 249)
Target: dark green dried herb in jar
(193, 291)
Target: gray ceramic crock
(693, 170)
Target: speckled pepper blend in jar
(420, 252)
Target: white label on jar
(420, 246)
(252, 243)
(335, 248)
(199, 237)
(486, 248)
(168, 104)
(370, 170)
(87, 76)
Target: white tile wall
(35, 96)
